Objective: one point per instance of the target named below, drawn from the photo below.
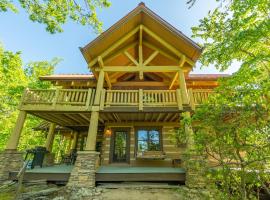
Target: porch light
(108, 132)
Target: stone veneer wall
(11, 160)
(83, 173)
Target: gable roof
(142, 15)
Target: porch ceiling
(78, 120)
(139, 117)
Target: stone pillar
(83, 174)
(195, 163)
(11, 160)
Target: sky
(18, 33)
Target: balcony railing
(82, 99)
(59, 98)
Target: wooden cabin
(125, 111)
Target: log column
(50, 137)
(15, 135)
(83, 172)
(74, 141)
(183, 86)
(93, 126)
(49, 157)
(11, 159)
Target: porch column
(84, 171)
(183, 86)
(50, 137)
(49, 157)
(74, 141)
(16, 133)
(11, 159)
(69, 142)
(93, 126)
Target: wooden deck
(81, 100)
(61, 173)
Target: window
(148, 139)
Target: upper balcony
(81, 100)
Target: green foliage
(236, 31)
(235, 133)
(56, 13)
(13, 80)
(179, 136)
(235, 124)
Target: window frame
(148, 128)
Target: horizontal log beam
(138, 69)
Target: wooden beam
(151, 57)
(84, 117)
(16, 133)
(115, 45)
(153, 47)
(107, 78)
(140, 84)
(140, 62)
(138, 69)
(181, 64)
(140, 52)
(166, 44)
(70, 117)
(130, 57)
(119, 52)
(183, 86)
(99, 87)
(141, 123)
(141, 35)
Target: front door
(120, 146)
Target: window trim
(148, 128)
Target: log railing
(141, 98)
(200, 96)
(58, 97)
(112, 98)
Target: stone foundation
(11, 160)
(83, 173)
(48, 159)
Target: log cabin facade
(125, 112)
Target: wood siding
(170, 149)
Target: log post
(16, 133)
(74, 141)
(92, 132)
(183, 86)
(50, 137)
(93, 126)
